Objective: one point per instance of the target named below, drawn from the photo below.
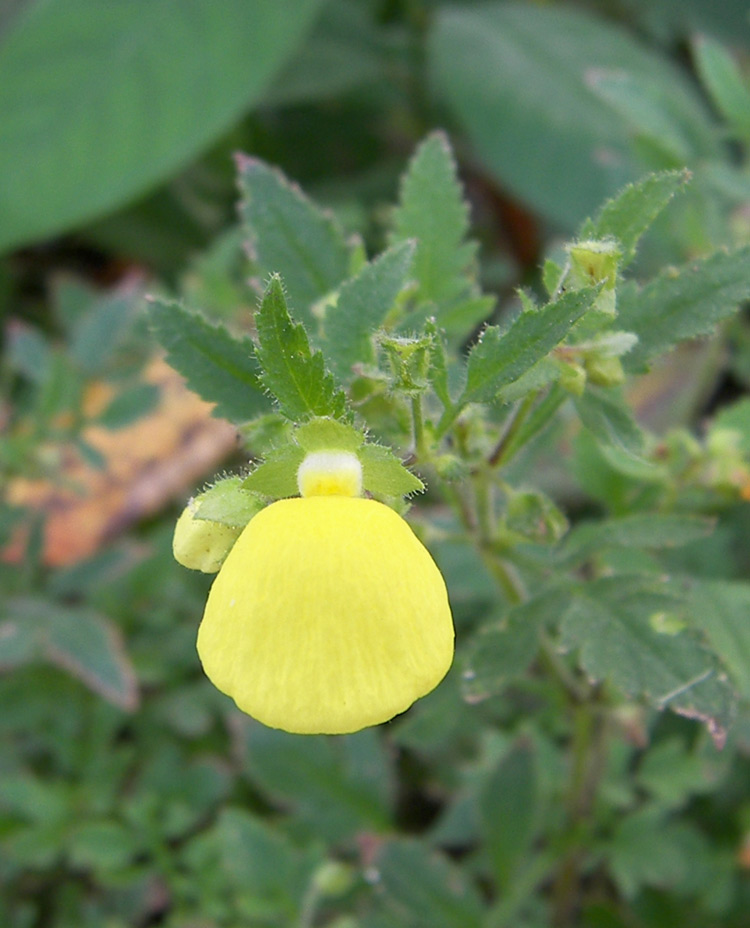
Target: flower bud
(572, 378)
(604, 371)
(199, 544)
(593, 262)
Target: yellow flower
(328, 615)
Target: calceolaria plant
(328, 614)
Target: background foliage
(586, 496)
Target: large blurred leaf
(725, 82)
(343, 52)
(102, 100)
(517, 75)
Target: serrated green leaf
(384, 475)
(654, 530)
(432, 210)
(426, 887)
(116, 87)
(683, 303)
(503, 650)
(328, 435)
(721, 610)
(292, 371)
(501, 356)
(614, 622)
(277, 475)
(362, 306)
(291, 236)
(605, 414)
(219, 367)
(82, 642)
(724, 82)
(438, 363)
(628, 215)
(229, 503)
(508, 810)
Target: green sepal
(277, 475)
(229, 503)
(324, 434)
(384, 475)
(552, 275)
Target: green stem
(589, 753)
(417, 419)
(578, 691)
(448, 418)
(506, 439)
(506, 578)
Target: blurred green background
(131, 792)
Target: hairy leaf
(432, 210)
(292, 371)
(628, 215)
(683, 303)
(501, 356)
(290, 235)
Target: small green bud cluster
(410, 362)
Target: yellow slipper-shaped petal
(327, 616)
